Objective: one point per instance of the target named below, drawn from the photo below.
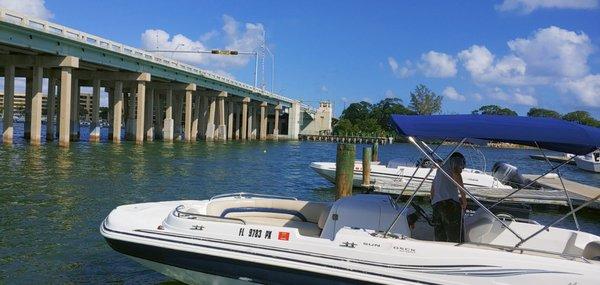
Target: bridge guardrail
(73, 34)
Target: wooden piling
(366, 167)
(344, 169)
(375, 156)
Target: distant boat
(589, 162)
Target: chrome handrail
(178, 213)
(252, 195)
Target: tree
(344, 127)
(382, 112)
(357, 112)
(424, 101)
(494, 110)
(540, 112)
(581, 117)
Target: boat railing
(246, 195)
(182, 214)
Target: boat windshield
(399, 162)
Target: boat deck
(552, 194)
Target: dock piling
(366, 167)
(375, 156)
(344, 169)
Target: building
(320, 123)
(85, 103)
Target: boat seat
(592, 251)
(304, 228)
(278, 208)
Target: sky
(514, 53)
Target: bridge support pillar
(263, 121)
(230, 111)
(222, 130)
(117, 106)
(130, 124)
(203, 116)
(168, 123)
(9, 98)
(141, 104)
(64, 122)
(50, 108)
(149, 115)
(188, 115)
(178, 113)
(74, 136)
(95, 125)
(158, 113)
(254, 129)
(294, 121)
(276, 125)
(110, 92)
(36, 105)
(28, 95)
(236, 121)
(195, 117)
(210, 122)
(244, 131)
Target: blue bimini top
(547, 133)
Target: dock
(345, 139)
(553, 158)
(551, 194)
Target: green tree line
(367, 119)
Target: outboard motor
(509, 175)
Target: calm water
(53, 200)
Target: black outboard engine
(509, 175)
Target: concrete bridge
(149, 97)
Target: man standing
(447, 207)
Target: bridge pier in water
(149, 97)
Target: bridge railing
(73, 34)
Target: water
(52, 200)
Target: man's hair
(456, 160)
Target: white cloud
(324, 89)
(477, 96)
(32, 8)
(518, 96)
(528, 6)
(484, 68)
(587, 89)
(403, 71)
(554, 52)
(437, 64)
(245, 39)
(389, 94)
(451, 93)
(522, 98)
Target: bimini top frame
(543, 133)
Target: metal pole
(558, 220)
(256, 69)
(563, 185)
(439, 168)
(418, 187)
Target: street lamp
(179, 45)
(218, 52)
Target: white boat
(363, 239)
(395, 175)
(275, 240)
(589, 162)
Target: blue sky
(514, 53)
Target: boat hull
(198, 268)
(587, 165)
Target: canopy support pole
(422, 181)
(563, 186)
(415, 173)
(558, 220)
(531, 183)
(440, 169)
